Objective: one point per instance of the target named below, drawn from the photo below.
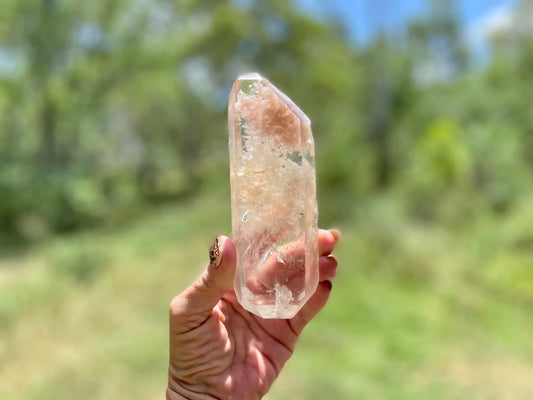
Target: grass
(418, 311)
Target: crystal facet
(273, 199)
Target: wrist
(173, 395)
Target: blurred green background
(114, 180)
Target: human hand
(218, 350)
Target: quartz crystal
(273, 199)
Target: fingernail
(336, 233)
(215, 253)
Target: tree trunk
(48, 132)
(380, 125)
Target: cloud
(496, 21)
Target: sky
(365, 18)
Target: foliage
(111, 104)
(113, 129)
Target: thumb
(192, 307)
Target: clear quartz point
(273, 199)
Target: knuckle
(177, 305)
(206, 281)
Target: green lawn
(418, 311)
